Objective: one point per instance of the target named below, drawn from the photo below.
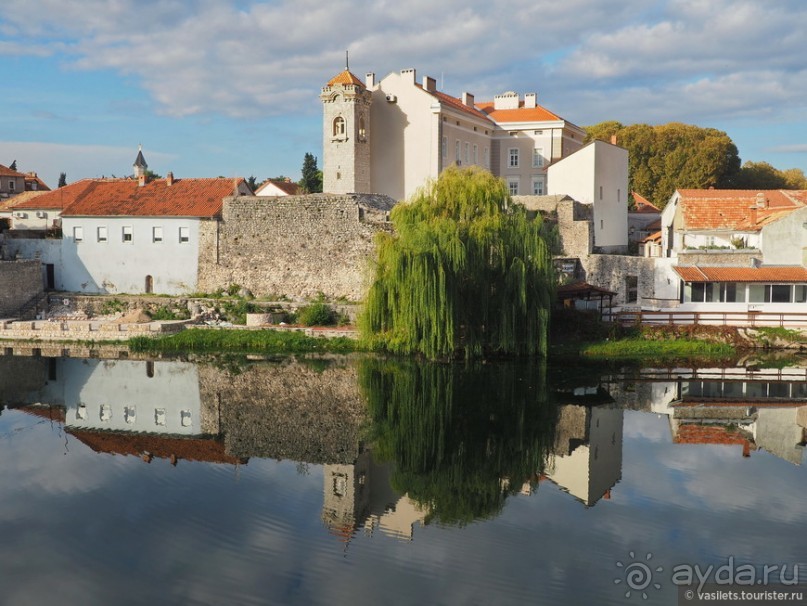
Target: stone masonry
(20, 282)
(295, 246)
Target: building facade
(391, 136)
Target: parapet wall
(297, 246)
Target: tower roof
(140, 161)
(345, 77)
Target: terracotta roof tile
(345, 77)
(290, 187)
(184, 198)
(32, 179)
(522, 114)
(654, 237)
(643, 205)
(731, 208)
(21, 200)
(5, 171)
(56, 199)
(455, 103)
(708, 434)
(772, 274)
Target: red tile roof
(125, 197)
(345, 77)
(5, 171)
(161, 447)
(56, 199)
(290, 187)
(654, 237)
(522, 114)
(643, 205)
(731, 208)
(34, 183)
(21, 200)
(773, 274)
(455, 103)
(709, 434)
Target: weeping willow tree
(465, 269)
(462, 437)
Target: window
(102, 234)
(476, 158)
(127, 234)
(513, 162)
(185, 418)
(362, 129)
(106, 412)
(800, 295)
(184, 235)
(512, 184)
(485, 157)
(779, 293)
(467, 153)
(600, 192)
(339, 126)
(729, 293)
(78, 234)
(538, 186)
(81, 412)
(159, 416)
(157, 234)
(457, 151)
(129, 414)
(538, 157)
(444, 147)
(619, 195)
(756, 293)
(11, 185)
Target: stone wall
(612, 271)
(295, 246)
(719, 258)
(21, 282)
(307, 411)
(574, 221)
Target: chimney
(169, 179)
(409, 75)
(762, 200)
(752, 214)
(141, 180)
(468, 99)
(613, 139)
(429, 84)
(369, 79)
(530, 100)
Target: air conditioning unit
(41, 214)
(392, 99)
(20, 215)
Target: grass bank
(641, 349)
(241, 341)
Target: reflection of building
(587, 460)
(361, 495)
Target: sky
(231, 88)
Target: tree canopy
(761, 175)
(465, 270)
(672, 156)
(311, 183)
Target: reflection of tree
(462, 438)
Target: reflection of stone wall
(311, 412)
(20, 376)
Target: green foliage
(236, 310)
(311, 181)
(462, 438)
(318, 313)
(672, 156)
(465, 270)
(761, 175)
(642, 349)
(230, 340)
(112, 306)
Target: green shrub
(166, 313)
(112, 306)
(317, 314)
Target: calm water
(361, 481)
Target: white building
(597, 175)
(391, 136)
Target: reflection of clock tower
(346, 135)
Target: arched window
(339, 126)
(362, 130)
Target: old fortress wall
(293, 245)
(21, 281)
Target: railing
(714, 318)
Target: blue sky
(211, 88)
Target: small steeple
(140, 164)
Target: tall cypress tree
(312, 176)
(465, 270)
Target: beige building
(391, 136)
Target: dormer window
(339, 126)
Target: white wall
(597, 174)
(28, 219)
(784, 242)
(116, 266)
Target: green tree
(13, 165)
(311, 183)
(465, 270)
(62, 180)
(252, 182)
(761, 175)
